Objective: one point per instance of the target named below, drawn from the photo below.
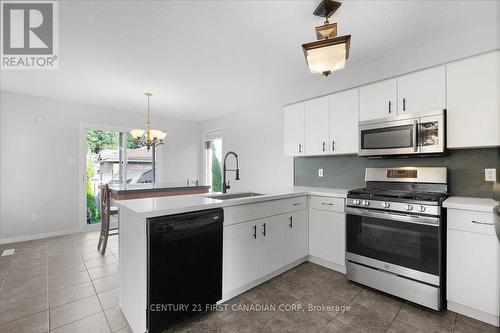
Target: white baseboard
(89, 227)
(327, 264)
(473, 313)
(38, 236)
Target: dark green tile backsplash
(465, 170)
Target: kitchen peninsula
(262, 235)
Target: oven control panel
(413, 208)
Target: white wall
(256, 135)
(39, 171)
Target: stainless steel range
(396, 233)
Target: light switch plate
(320, 172)
(490, 175)
(34, 217)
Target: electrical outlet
(320, 172)
(34, 217)
(8, 252)
(490, 175)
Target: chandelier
(329, 53)
(149, 137)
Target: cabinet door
(240, 255)
(327, 236)
(294, 129)
(473, 99)
(344, 122)
(316, 126)
(296, 236)
(378, 100)
(422, 91)
(473, 270)
(272, 244)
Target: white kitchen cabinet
(473, 101)
(378, 100)
(317, 126)
(344, 122)
(296, 235)
(293, 116)
(473, 265)
(241, 255)
(272, 244)
(327, 235)
(422, 91)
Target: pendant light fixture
(329, 53)
(149, 137)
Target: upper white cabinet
(316, 126)
(422, 91)
(344, 122)
(378, 100)
(294, 129)
(473, 91)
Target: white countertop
(469, 203)
(149, 207)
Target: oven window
(389, 137)
(410, 245)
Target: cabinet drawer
(472, 221)
(258, 210)
(327, 203)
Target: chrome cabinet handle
(324, 144)
(327, 203)
(483, 223)
(390, 106)
(300, 148)
(254, 231)
(296, 203)
(333, 145)
(404, 104)
(291, 222)
(264, 230)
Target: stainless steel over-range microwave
(405, 135)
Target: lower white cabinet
(254, 249)
(296, 235)
(240, 255)
(473, 265)
(272, 245)
(327, 235)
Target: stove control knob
(421, 209)
(366, 203)
(355, 202)
(386, 205)
(409, 207)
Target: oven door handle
(416, 219)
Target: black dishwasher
(184, 266)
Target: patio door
(110, 156)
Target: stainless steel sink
(225, 196)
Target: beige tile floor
(62, 284)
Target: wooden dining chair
(106, 211)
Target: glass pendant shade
(137, 133)
(328, 55)
(157, 134)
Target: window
(213, 160)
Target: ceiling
(202, 59)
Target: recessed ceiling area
(203, 59)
